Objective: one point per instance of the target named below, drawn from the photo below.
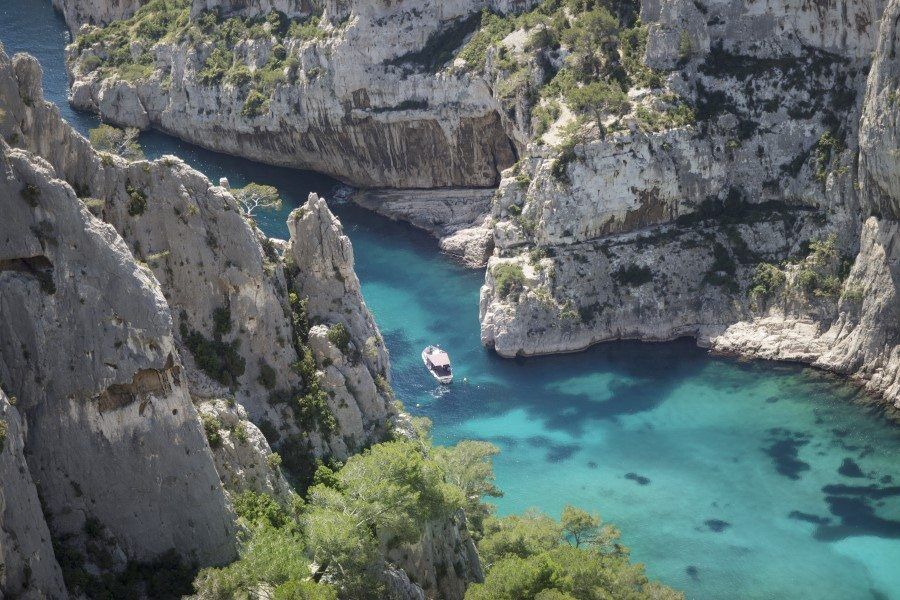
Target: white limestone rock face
(879, 135)
(204, 253)
(322, 261)
(86, 346)
(457, 217)
(96, 12)
(359, 107)
(243, 457)
(444, 561)
(679, 29)
(25, 544)
(657, 235)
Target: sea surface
(728, 479)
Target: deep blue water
(728, 479)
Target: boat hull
(444, 379)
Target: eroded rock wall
(361, 105)
(25, 545)
(658, 235)
(88, 351)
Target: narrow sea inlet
(728, 479)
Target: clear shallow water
(729, 479)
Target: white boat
(438, 363)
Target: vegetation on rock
(123, 142)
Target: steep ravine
(751, 131)
(136, 298)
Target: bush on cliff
(509, 279)
(534, 557)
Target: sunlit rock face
(626, 244)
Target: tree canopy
(255, 196)
(123, 142)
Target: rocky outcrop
(657, 235)
(373, 114)
(244, 459)
(460, 219)
(444, 561)
(356, 373)
(174, 297)
(87, 349)
(223, 280)
(29, 568)
(96, 12)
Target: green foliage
(255, 105)
(216, 65)
(137, 200)
(509, 279)
(123, 142)
(532, 556)
(340, 337)
(258, 509)
(632, 275)
(220, 360)
(828, 146)
(269, 558)
(3, 431)
(306, 30)
(767, 281)
(492, 28)
(469, 465)
(213, 429)
(599, 98)
(268, 377)
(255, 196)
(166, 577)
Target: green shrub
(213, 428)
(509, 279)
(137, 200)
(220, 360)
(340, 337)
(767, 281)
(239, 76)
(268, 377)
(216, 65)
(260, 509)
(255, 105)
(3, 430)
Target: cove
(729, 479)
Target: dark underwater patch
(852, 505)
(849, 468)
(639, 479)
(555, 452)
(591, 464)
(717, 525)
(809, 518)
(693, 572)
(772, 399)
(784, 450)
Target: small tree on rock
(256, 196)
(123, 142)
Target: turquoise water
(728, 479)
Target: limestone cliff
(152, 293)
(24, 538)
(96, 12)
(88, 351)
(351, 94)
(767, 227)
